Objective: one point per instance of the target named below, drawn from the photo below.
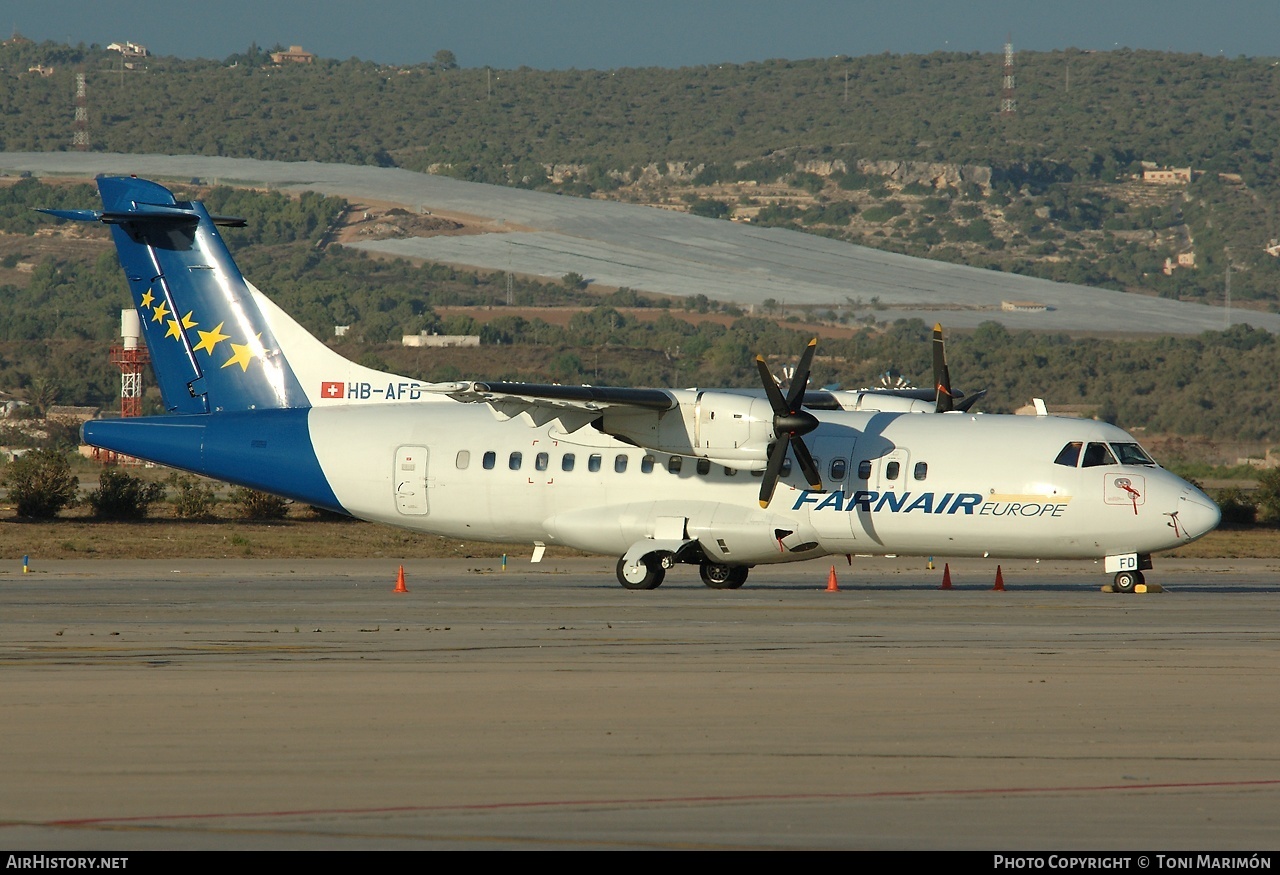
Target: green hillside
(1051, 191)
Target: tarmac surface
(307, 705)
(673, 253)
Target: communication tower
(80, 136)
(130, 358)
(1008, 104)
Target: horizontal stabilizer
(144, 213)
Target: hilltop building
(128, 49)
(295, 55)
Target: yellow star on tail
(241, 354)
(210, 339)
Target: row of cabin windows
(675, 464)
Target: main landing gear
(719, 576)
(651, 569)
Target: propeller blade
(807, 466)
(776, 401)
(968, 401)
(800, 380)
(776, 458)
(941, 374)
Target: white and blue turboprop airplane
(654, 476)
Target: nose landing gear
(1127, 581)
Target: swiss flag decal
(332, 390)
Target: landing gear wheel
(647, 574)
(716, 576)
(719, 576)
(1127, 580)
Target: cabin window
(839, 467)
(921, 471)
(620, 463)
(674, 464)
(891, 471)
(515, 460)
(593, 462)
(864, 469)
(646, 465)
(566, 462)
(1132, 454)
(704, 466)
(1070, 455)
(1097, 454)
(490, 459)
(541, 461)
(464, 459)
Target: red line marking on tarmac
(672, 800)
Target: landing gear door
(410, 480)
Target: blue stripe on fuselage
(269, 450)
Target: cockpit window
(1070, 455)
(1097, 454)
(1132, 454)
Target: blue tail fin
(211, 346)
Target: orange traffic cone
(946, 576)
(832, 586)
(999, 587)
(400, 587)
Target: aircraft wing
(574, 406)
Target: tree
(42, 395)
(40, 483)
(445, 59)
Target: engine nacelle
(728, 428)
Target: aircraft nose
(1197, 514)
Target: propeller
(790, 424)
(945, 400)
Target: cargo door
(410, 480)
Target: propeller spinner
(790, 424)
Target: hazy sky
(603, 34)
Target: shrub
(1267, 496)
(194, 498)
(122, 496)
(40, 483)
(1237, 507)
(254, 505)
